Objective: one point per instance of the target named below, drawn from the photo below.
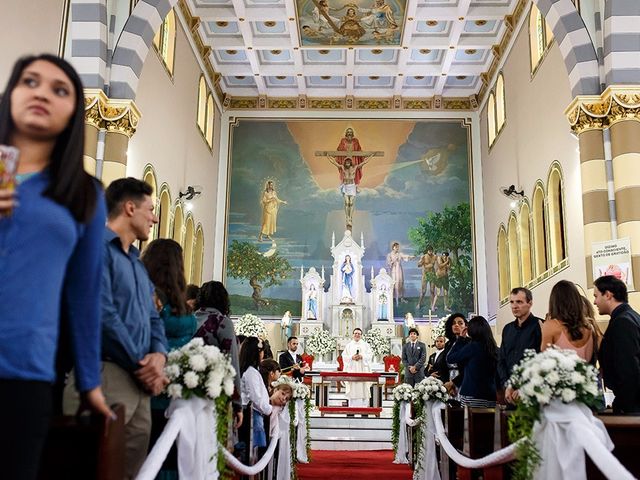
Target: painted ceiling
(359, 48)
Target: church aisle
(347, 465)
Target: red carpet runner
(352, 465)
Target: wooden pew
(479, 441)
(624, 431)
(453, 419)
(84, 447)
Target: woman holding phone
(51, 241)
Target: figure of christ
(348, 187)
(350, 144)
(394, 262)
(357, 357)
(427, 263)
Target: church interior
(518, 113)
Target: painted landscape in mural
(350, 22)
(293, 184)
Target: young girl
(479, 359)
(51, 239)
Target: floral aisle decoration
(379, 344)
(320, 343)
(543, 378)
(202, 371)
(401, 393)
(438, 330)
(428, 390)
(251, 326)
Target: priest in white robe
(357, 357)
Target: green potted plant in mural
(450, 231)
(245, 262)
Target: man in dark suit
(437, 364)
(620, 348)
(291, 361)
(414, 355)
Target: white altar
(346, 304)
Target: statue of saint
(312, 303)
(347, 293)
(270, 204)
(383, 303)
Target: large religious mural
(401, 186)
(350, 22)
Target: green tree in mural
(450, 230)
(244, 261)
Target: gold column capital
(595, 112)
(111, 114)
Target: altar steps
(350, 433)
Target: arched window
(539, 225)
(548, 34)
(525, 243)
(500, 104)
(164, 212)
(556, 215)
(198, 257)
(503, 263)
(210, 120)
(165, 41)
(149, 177)
(491, 118)
(188, 247)
(515, 279)
(536, 36)
(202, 105)
(178, 223)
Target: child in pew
(479, 359)
(52, 244)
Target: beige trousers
(119, 386)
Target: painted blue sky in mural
(429, 171)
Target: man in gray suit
(414, 355)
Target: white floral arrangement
(438, 330)
(199, 370)
(403, 393)
(540, 378)
(251, 326)
(431, 388)
(379, 344)
(320, 342)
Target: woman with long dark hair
(52, 238)
(479, 359)
(455, 330)
(567, 325)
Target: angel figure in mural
(270, 204)
(347, 270)
(394, 262)
(312, 303)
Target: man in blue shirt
(133, 339)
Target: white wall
(169, 139)
(535, 134)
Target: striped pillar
(621, 41)
(625, 152)
(595, 202)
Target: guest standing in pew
(42, 115)
(134, 345)
(517, 336)
(437, 364)
(270, 371)
(192, 297)
(478, 358)
(620, 348)
(455, 329)
(163, 260)
(414, 354)
(567, 326)
(255, 397)
(216, 328)
(291, 361)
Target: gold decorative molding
(326, 103)
(374, 104)
(113, 115)
(595, 112)
(418, 104)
